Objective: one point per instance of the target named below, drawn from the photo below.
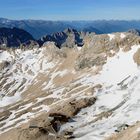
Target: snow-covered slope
(117, 102)
(24, 67)
(39, 86)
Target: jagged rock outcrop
(136, 57)
(67, 38)
(4, 64)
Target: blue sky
(70, 9)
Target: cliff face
(70, 92)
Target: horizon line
(73, 20)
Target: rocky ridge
(67, 38)
(14, 37)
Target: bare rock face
(58, 116)
(136, 57)
(4, 64)
(97, 48)
(88, 62)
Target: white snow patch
(53, 76)
(122, 35)
(112, 52)
(119, 67)
(138, 129)
(47, 65)
(7, 100)
(79, 48)
(5, 56)
(111, 36)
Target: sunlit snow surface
(111, 36)
(120, 97)
(22, 72)
(119, 67)
(122, 35)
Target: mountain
(134, 31)
(51, 93)
(14, 37)
(92, 29)
(39, 28)
(110, 26)
(67, 38)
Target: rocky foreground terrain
(72, 91)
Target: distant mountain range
(39, 28)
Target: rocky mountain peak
(70, 30)
(68, 38)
